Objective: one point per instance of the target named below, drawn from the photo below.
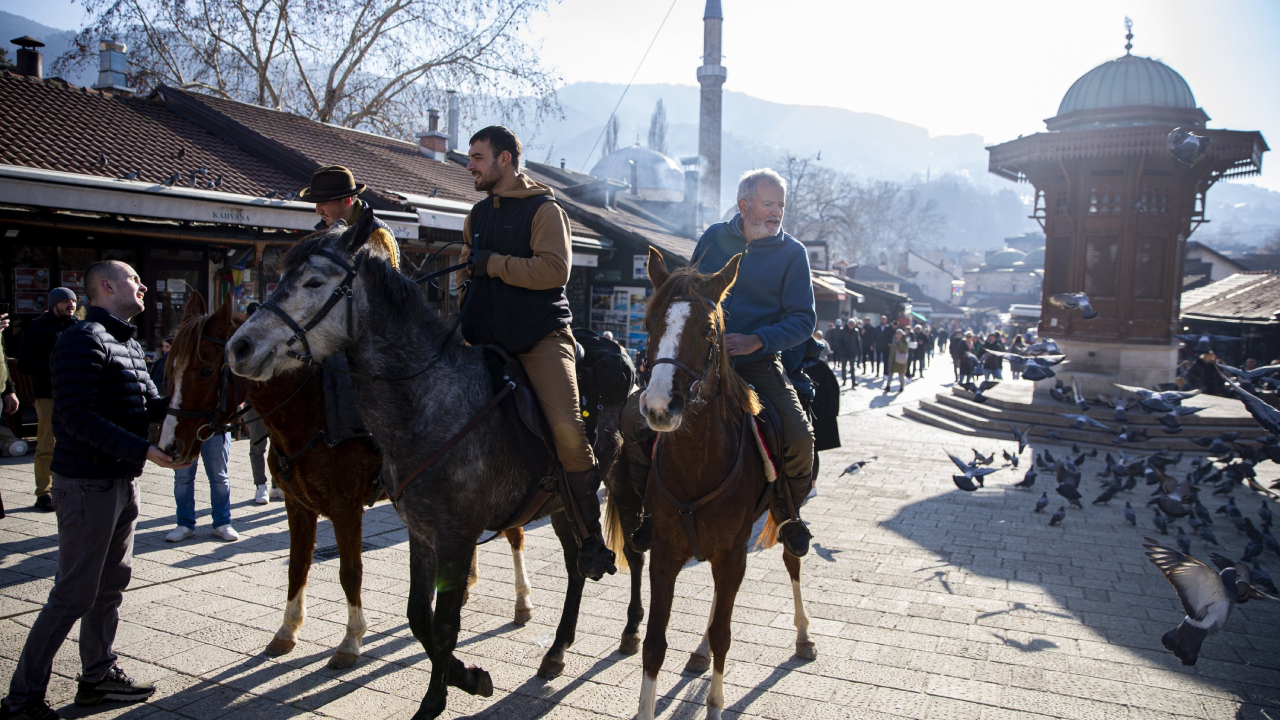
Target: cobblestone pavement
(925, 603)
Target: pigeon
(1184, 542)
(1106, 495)
(1173, 397)
(1161, 524)
(1072, 495)
(1078, 397)
(1170, 423)
(218, 183)
(102, 160)
(1075, 449)
(172, 180)
(1043, 502)
(1057, 393)
(1121, 405)
(1229, 508)
(1267, 416)
(1011, 459)
(1264, 512)
(1045, 346)
(1074, 301)
(1186, 146)
(1201, 512)
(1252, 551)
(129, 176)
(978, 390)
(1127, 436)
(290, 196)
(1080, 421)
(1023, 437)
(1053, 435)
(182, 152)
(857, 466)
(1034, 371)
(1262, 579)
(1028, 480)
(1206, 595)
(1206, 533)
(1203, 342)
(980, 459)
(1059, 516)
(971, 474)
(1129, 515)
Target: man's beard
(760, 230)
(485, 182)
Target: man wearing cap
(519, 257)
(334, 189)
(33, 360)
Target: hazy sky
(997, 69)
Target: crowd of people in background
(880, 349)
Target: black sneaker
(30, 710)
(115, 686)
(44, 503)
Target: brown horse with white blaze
(317, 480)
(707, 484)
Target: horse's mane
(688, 283)
(184, 348)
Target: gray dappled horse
(416, 386)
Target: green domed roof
(1128, 81)
(1034, 259)
(1005, 258)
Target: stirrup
(800, 537)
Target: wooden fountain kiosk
(1117, 210)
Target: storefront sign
(586, 260)
(159, 286)
(638, 263)
(31, 303)
(73, 279)
(31, 279)
(177, 286)
(606, 276)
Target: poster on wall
(638, 264)
(30, 303)
(73, 279)
(30, 279)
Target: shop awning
(823, 284)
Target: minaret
(711, 76)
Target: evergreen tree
(658, 128)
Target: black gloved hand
(480, 263)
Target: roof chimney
(30, 62)
(112, 68)
(635, 177)
(454, 141)
(433, 143)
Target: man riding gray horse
(770, 309)
(518, 266)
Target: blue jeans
(214, 452)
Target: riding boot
(792, 532)
(642, 538)
(594, 559)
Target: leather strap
(451, 442)
(687, 509)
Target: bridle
(699, 383)
(344, 289)
(211, 416)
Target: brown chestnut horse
(320, 480)
(708, 476)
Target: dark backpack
(605, 372)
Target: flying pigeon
(1129, 515)
(978, 390)
(1045, 346)
(857, 466)
(1206, 595)
(1022, 436)
(1034, 371)
(971, 474)
(1203, 342)
(1186, 146)
(1043, 502)
(1028, 480)
(1267, 416)
(1059, 516)
(1074, 301)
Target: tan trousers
(44, 445)
(550, 366)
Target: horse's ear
(357, 235)
(658, 272)
(195, 306)
(723, 280)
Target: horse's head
(686, 338)
(203, 394)
(311, 314)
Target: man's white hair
(750, 180)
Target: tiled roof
(870, 273)
(386, 164)
(55, 126)
(1248, 297)
(1256, 261)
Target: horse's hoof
(806, 650)
(550, 668)
(697, 664)
(630, 645)
(484, 683)
(342, 659)
(466, 596)
(523, 616)
(279, 646)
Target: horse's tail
(614, 538)
(768, 534)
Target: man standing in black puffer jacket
(103, 400)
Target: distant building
(934, 279)
(1244, 305)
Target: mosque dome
(1034, 259)
(658, 177)
(1005, 258)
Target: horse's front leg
(524, 600)
(664, 566)
(347, 530)
(422, 575)
(805, 649)
(453, 557)
(302, 544)
(728, 578)
(553, 662)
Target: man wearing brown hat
(334, 189)
(519, 257)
